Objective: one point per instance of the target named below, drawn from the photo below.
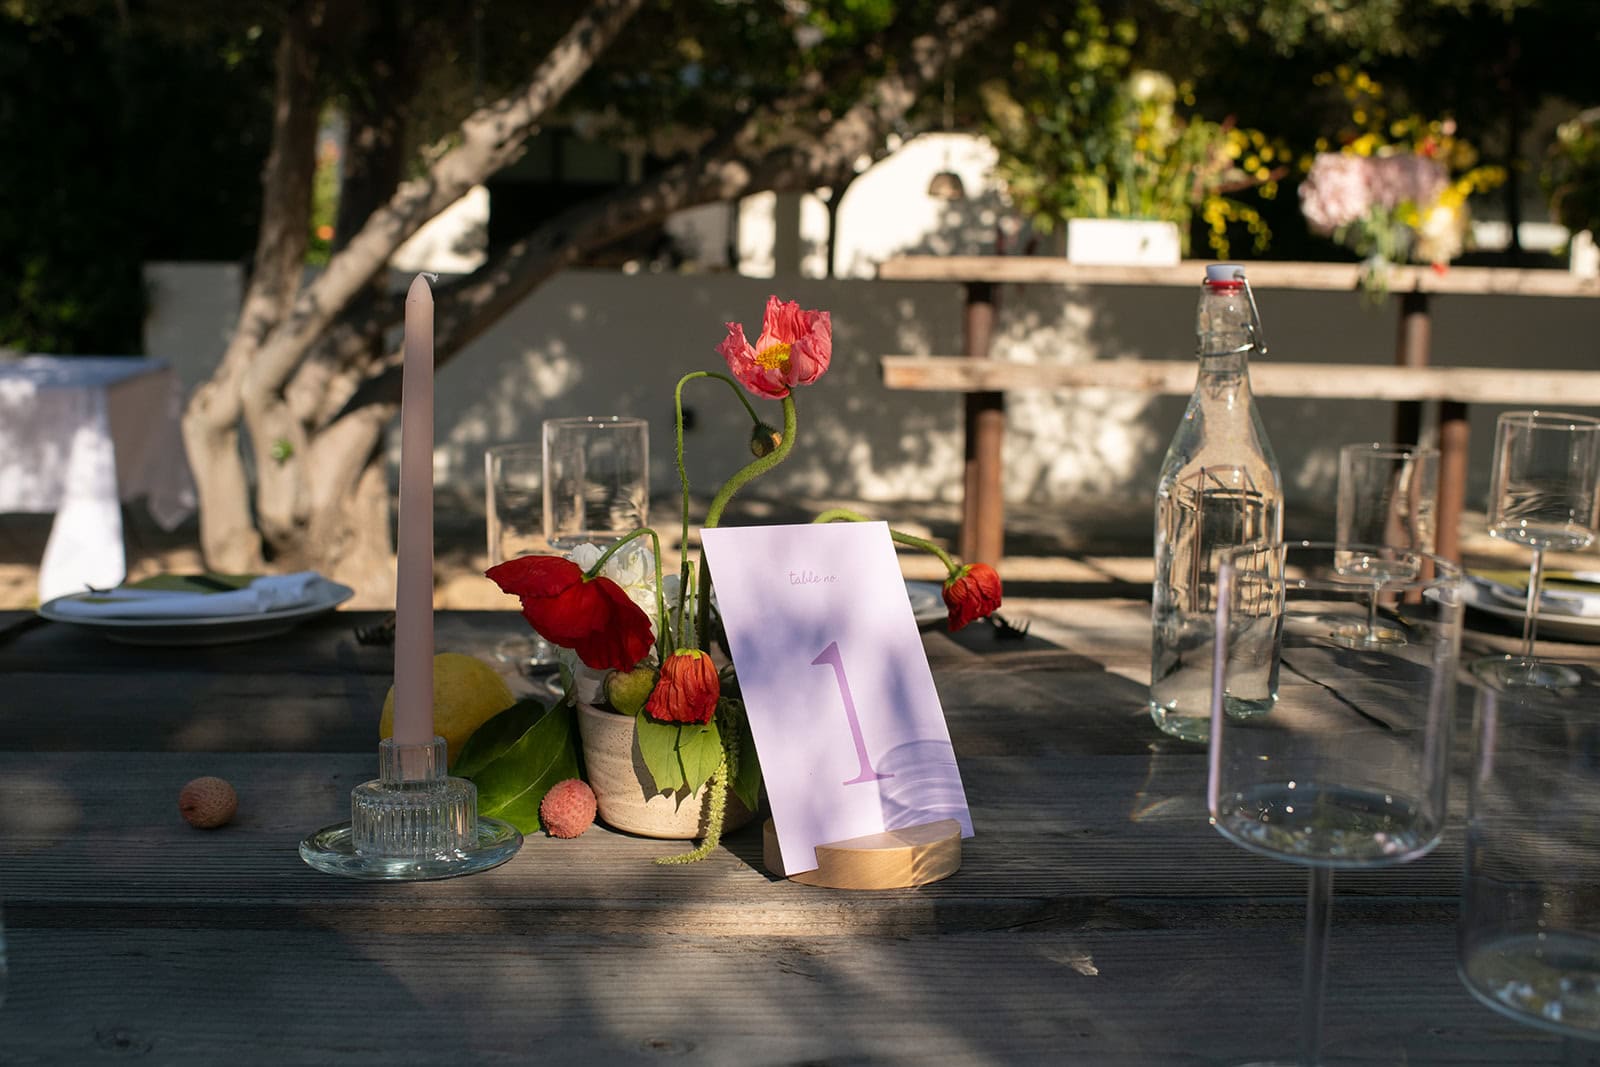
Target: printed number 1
(831, 657)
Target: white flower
(1442, 234)
(1151, 85)
(633, 568)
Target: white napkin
(272, 592)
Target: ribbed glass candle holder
(413, 810)
(412, 822)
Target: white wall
(602, 342)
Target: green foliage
(1571, 174)
(678, 756)
(1083, 131)
(747, 775)
(148, 147)
(516, 757)
(658, 744)
(1361, 29)
(489, 741)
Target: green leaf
(747, 775)
(495, 736)
(511, 785)
(699, 751)
(658, 744)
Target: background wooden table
(1097, 918)
(1410, 383)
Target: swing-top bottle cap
(1224, 275)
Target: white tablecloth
(79, 435)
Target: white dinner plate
(1482, 596)
(206, 630)
(927, 603)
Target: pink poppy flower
(794, 349)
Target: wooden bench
(1452, 387)
(1412, 382)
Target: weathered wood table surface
(1096, 918)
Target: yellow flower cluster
(1372, 131)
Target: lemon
(466, 694)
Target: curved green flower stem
(683, 469)
(742, 477)
(663, 638)
(846, 515)
(717, 797)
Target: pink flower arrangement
(1342, 189)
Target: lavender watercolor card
(842, 705)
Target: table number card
(841, 701)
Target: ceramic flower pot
(1123, 242)
(625, 793)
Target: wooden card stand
(894, 859)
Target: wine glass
(1541, 494)
(1386, 500)
(1529, 935)
(1349, 769)
(596, 479)
(513, 521)
(1528, 942)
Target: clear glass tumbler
(1529, 936)
(514, 522)
(1386, 500)
(596, 479)
(1349, 770)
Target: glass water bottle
(1219, 488)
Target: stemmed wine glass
(1386, 499)
(1529, 934)
(1349, 769)
(1541, 494)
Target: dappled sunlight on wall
(607, 343)
(887, 210)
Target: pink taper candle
(413, 606)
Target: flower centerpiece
(1396, 190)
(640, 645)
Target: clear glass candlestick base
(412, 823)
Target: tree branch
(464, 310)
(490, 138)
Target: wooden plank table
(1410, 382)
(1096, 917)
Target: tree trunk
(333, 503)
(277, 330)
(228, 536)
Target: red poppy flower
(971, 593)
(593, 616)
(794, 349)
(688, 689)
